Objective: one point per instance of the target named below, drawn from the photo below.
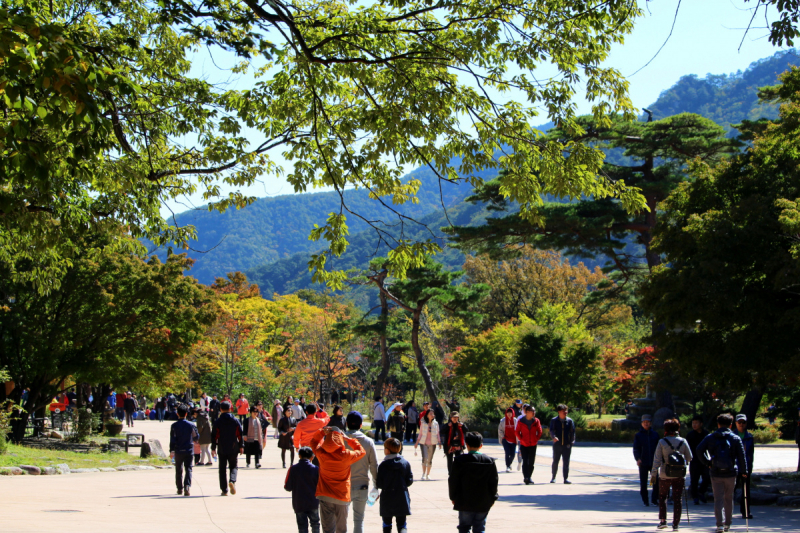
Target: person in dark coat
(182, 436)
(301, 481)
(473, 485)
(797, 439)
(452, 435)
(697, 469)
(644, 448)
(286, 427)
(743, 482)
(337, 418)
(394, 478)
(227, 436)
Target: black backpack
(676, 462)
(722, 461)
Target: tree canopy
(104, 118)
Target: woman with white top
(429, 438)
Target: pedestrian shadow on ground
(160, 496)
(267, 498)
(645, 519)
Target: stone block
(63, 468)
(661, 415)
(31, 470)
(155, 448)
(11, 471)
(49, 471)
(84, 470)
(56, 435)
(108, 469)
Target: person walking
(130, 408)
(396, 423)
(453, 405)
(797, 438)
(277, 414)
(298, 412)
(286, 427)
(697, 469)
(227, 443)
(506, 433)
(645, 443)
(120, 406)
(361, 470)
(301, 481)
(182, 436)
(161, 408)
(333, 489)
(242, 408)
(663, 467)
(472, 485)
(517, 407)
(213, 408)
(204, 429)
(562, 431)
(743, 482)
(454, 432)
(528, 430)
(253, 438)
(723, 453)
(379, 420)
(337, 418)
(428, 438)
(394, 478)
(308, 427)
(412, 422)
(203, 402)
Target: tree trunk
(423, 368)
(384, 319)
(750, 406)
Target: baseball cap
(647, 418)
(741, 417)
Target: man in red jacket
(528, 431)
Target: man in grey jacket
(361, 470)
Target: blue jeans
(304, 518)
(160, 412)
(510, 449)
(468, 520)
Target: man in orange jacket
(309, 426)
(333, 488)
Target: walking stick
(746, 504)
(686, 499)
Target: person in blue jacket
(644, 448)
(182, 436)
(301, 481)
(743, 482)
(394, 478)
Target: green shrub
(598, 424)
(766, 435)
(579, 418)
(605, 435)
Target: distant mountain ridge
(269, 239)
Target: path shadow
(160, 496)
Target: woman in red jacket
(528, 431)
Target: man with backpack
(669, 467)
(645, 443)
(723, 453)
(749, 451)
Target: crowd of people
(338, 468)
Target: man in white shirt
(297, 411)
(203, 402)
(379, 420)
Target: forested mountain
(274, 228)
(269, 239)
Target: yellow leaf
(46, 82)
(79, 108)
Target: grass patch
(22, 455)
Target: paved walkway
(603, 497)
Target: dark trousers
(450, 457)
(183, 461)
(254, 449)
(562, 452)
(528, 459)
(400, 520)
(160, 412)
(510, 448)
(677, 485)
(411, 432)
(798, 457)
(227, 461)
(305, 518)
(283, 456)
(380, 429)
(243, 419)
(644, 477)
(699, 489)
(468, 520)
(744, 505)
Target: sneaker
(720, 529)
(646, 504)
(258, 465)
(674, 527)
(553, 480)
(567, 482)
(224, 493)
(247, 465)
(180, 491)
(508, 469)
(186, 491)
(208, 463)
(526, 481)
(232, 487)
(284, 465)
(726, 528)
(662, 525)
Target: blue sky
(706, 39)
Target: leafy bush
(605, 435)
(83, 421)
(598, 424)
(579, 418)
(766, 435)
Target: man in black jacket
(182, 436)
(696, 468)
(473, 485)
(213, 408)
(227, 436)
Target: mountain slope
(726, 99)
